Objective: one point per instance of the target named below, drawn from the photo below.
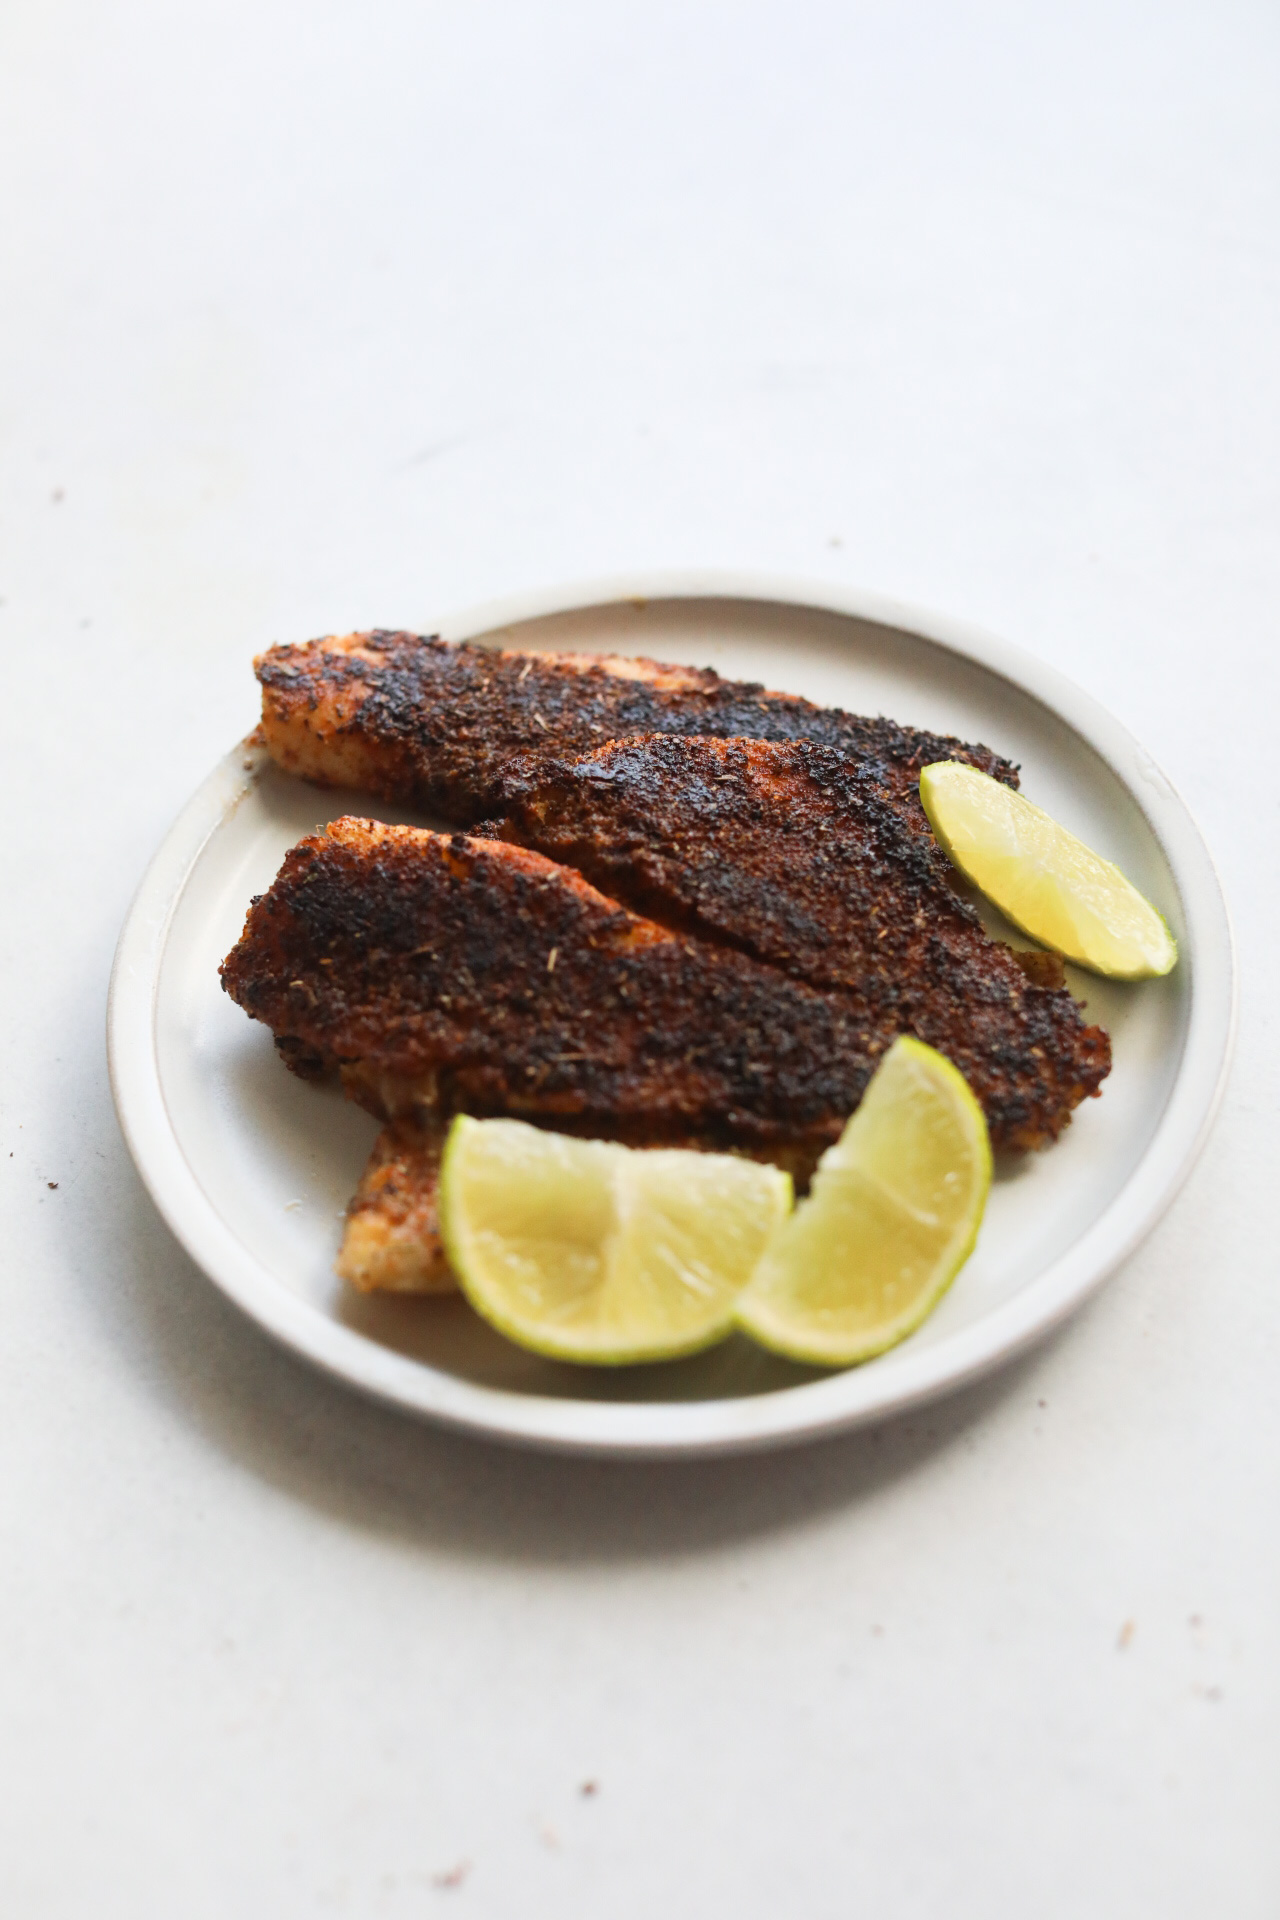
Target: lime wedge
(586, 1251)
(891, 1218)
(1042, 878)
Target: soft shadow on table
(388, 1473)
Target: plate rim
(691, 1429)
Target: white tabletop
(322, 316)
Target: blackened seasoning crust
(808, 862)
(444, 974)
(429, 723)
(447, 974)
(792, 853)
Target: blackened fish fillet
(805, 861)
(442, 974)
(429, 723)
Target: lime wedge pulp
(1042, 878)
(587, 1251)
(891, 1217)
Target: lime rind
(892, 1216)
(1043, 879)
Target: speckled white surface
(315, 317)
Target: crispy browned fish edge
(391, 1239)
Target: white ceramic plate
(252, 1168)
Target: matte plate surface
(252, 1168)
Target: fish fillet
(444, 974)
(429, 723)
(805, 861)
